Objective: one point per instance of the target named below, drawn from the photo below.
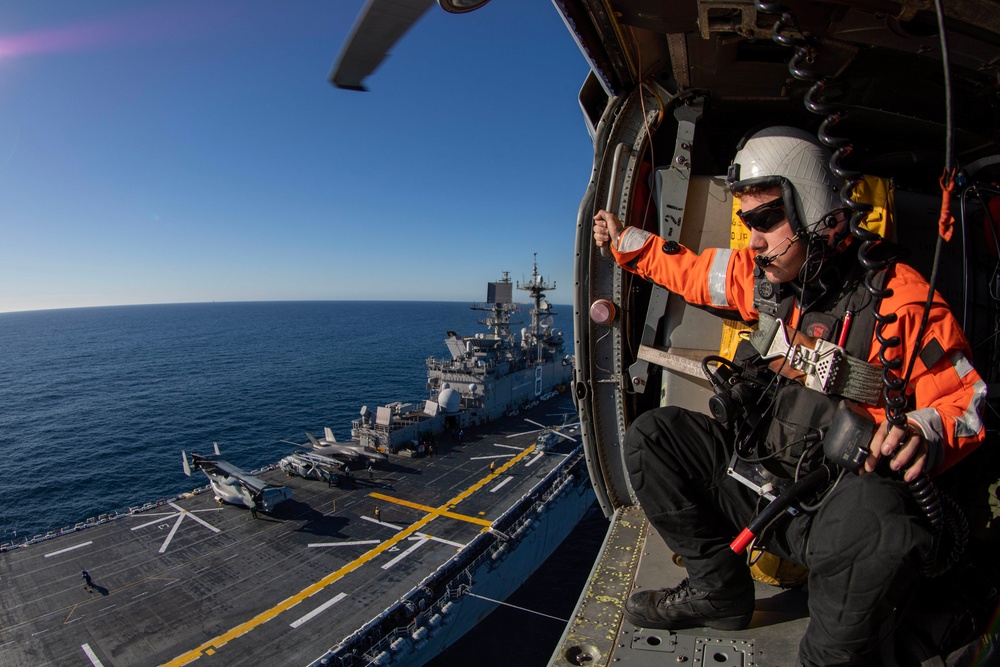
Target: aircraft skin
(673, 88)
(311, 466)
(328, 446)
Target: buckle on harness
(820, 364)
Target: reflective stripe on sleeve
(632, 239)
(717, 277)
(961, 364)
(970, 423)
(928, 420)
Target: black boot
(685, 606)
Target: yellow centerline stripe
(288, 603)
(489, 478)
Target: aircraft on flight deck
(673, 88)
(351, 451)
(234, 486)
(547, 434)
(311, 466)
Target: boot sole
(723, 623)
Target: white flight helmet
(796, 161)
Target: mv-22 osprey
(902, 91)
(234, 486)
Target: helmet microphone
(764, 261)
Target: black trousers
(863, 546)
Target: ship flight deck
(194, 582)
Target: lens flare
(141, 26)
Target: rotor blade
(563, 435)
(379, 26)
(531, 421)
(514, 435)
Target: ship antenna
(537, 288)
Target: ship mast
(541, 312)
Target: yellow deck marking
(433, 510)
(209, 647)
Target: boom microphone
(763, 261)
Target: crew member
(866, 541)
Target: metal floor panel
(635, 557)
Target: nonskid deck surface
(195, 581)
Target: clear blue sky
(181, 150)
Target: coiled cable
(894, 383)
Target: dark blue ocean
(96, 404)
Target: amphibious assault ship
(385, 565)
(489, 375)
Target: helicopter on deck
(911, 108)
(548, 436)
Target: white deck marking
(394, 527)
(382, 523)
(416, 545)
(499, 486)
(173, 531)
(534, 459)
(425, 536)
(94, 660)
(320, 609)
(344, 544)
(75, 546)
(180, 514)
(493, 456)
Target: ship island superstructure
(489, 375)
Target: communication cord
(894, 383)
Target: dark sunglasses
(765, 216)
